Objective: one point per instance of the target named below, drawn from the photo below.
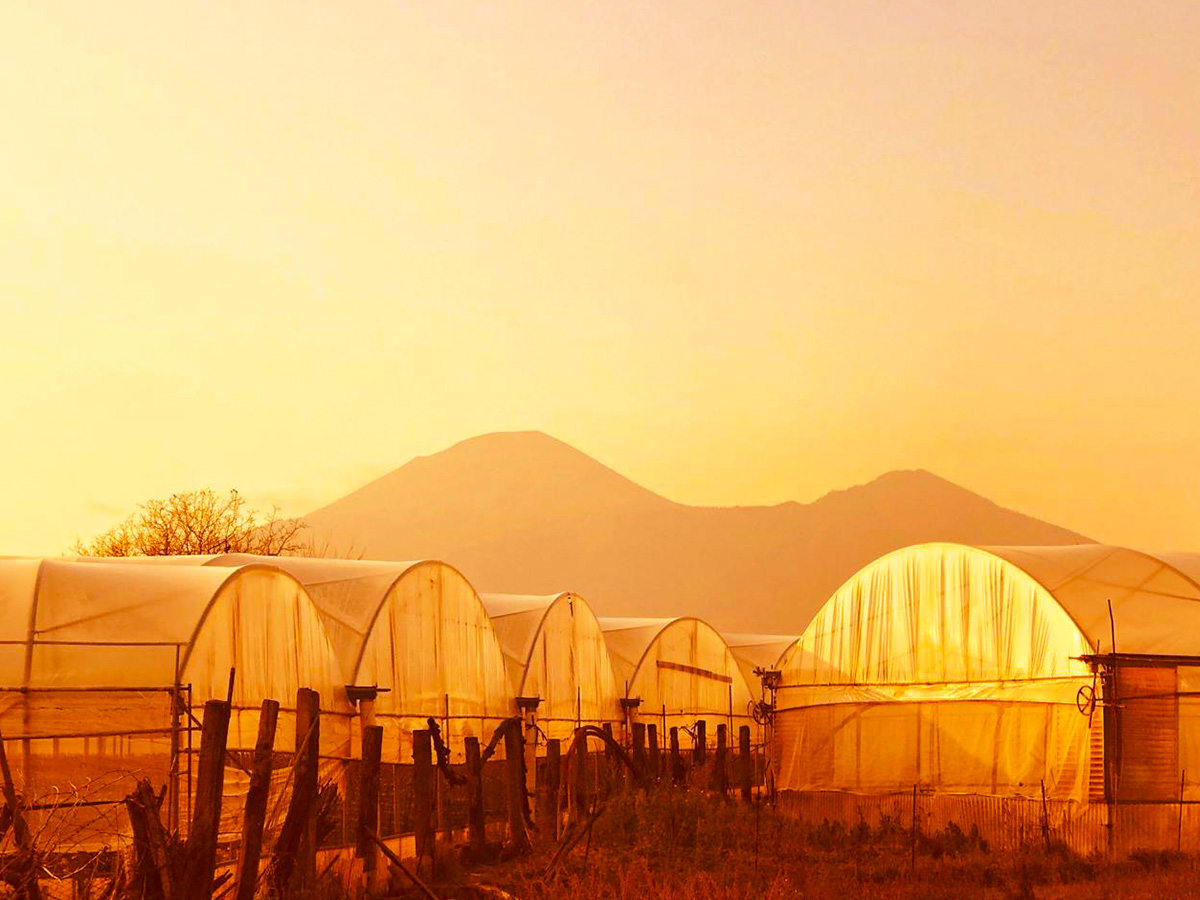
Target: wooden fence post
(368, 794)
(476, 835)
(295, 849)
(676, 758)
(639, 752)
(747, 763)
(608, 763)
(423, 787)
(254, 815)
(581, 789)
(700, 749)
(307, 780)
(553, 779)
(655, 761)
(722, 773)
(206, 816)
(514, 766)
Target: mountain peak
(524, 512)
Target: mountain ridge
(524, 512)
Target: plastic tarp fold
(554, 649)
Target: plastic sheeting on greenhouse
(419, 632)
(959, 668)
(91, 657)
(681, 669)
(554, 649)
(758, 651)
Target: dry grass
(679, 846)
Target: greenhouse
(1068, 673)
(554, 650)
(418, 633)
(92, 656)
(758, 651)
(678, 671)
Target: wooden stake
(477, 836)
(553, 780)
(747, 762)
(368, 794)
(676, 758)
(514, 765)
(639, 752)
(722, 779)
(254, 815)
(206, 818)
(423, 775)
(295, 862)
(655, 761)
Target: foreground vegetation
(678, 846)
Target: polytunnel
(417, 632)
(1004, 671)
(554, 650)
(680, 670)
(91, 658)
(758, 651)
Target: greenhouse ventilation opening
(1061, 679)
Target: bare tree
(198, 522)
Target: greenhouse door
(1146, 754)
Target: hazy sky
(741, 252)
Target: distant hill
(525, 513)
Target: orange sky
(741, 252)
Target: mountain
(523, 512)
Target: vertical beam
(722, 772)
(655, 771)
(368, 794)
(553, 778)
(475, 821)
(206, 821)
(307, 782)
(639, 752)
(514, 764)
(254, 815)
(423, 788)
(676, 758)
(747, 762)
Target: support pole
(206, 820)
(423, 787)
(553, 778)
(655, 760)
(747, 762)
(476, 836)
(639, 752)
(368, 794)
(722, 779)
(254, 815)
(676, 759)
(514, 764)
